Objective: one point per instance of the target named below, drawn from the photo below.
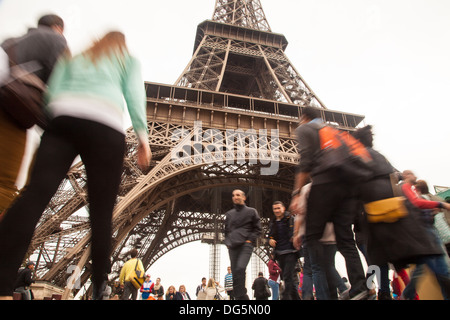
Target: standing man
(338, 206)
(228, 283)
(261, 287)
(242, 228)
(43, 44)
(201, 286)
(126, 273)
(281, 231)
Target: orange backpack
(341, 152)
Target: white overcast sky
(385, 59)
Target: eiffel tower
(228, 122)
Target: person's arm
(301, 179)
(256, 221)
(122, 274)
(56, 79)
(271, 235)
(307, 140)
(141, 266)
(134, 93)
(419, 202)
(28, 278)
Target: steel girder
(148, 212)
(244, 13)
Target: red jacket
(417, 201)
(274, 270)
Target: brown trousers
(12, 148)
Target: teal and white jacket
(99, 92)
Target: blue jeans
(239, 258)
(438, 267)
(26, 293)
(275, 286)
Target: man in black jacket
(330, 200)
(242, 228)
(261, 287)
(280, 238)
(24, 281)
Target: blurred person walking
(412, 242)
(86, 103)
(43, 46)
(436, 219)
(339, 207)
(436, 263)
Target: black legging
(102, 150)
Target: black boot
(384, 295)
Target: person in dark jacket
(43, 45)
(280, 238)
(24, 281)
(242, 228)
(261, 287)
(405, 241)
(338, 206)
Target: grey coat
(39, 44)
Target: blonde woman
(182, 294)
(213, 290)
(171, 293)
(85, 100)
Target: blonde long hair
(112, 43)
(211, 283)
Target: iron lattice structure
(231, 115)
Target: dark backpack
(21, 96)
(345, 155)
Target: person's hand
(144, 156)
(297, 241)
(294, 207)
(272, 243)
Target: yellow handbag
(386, 210)
(137, 277)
